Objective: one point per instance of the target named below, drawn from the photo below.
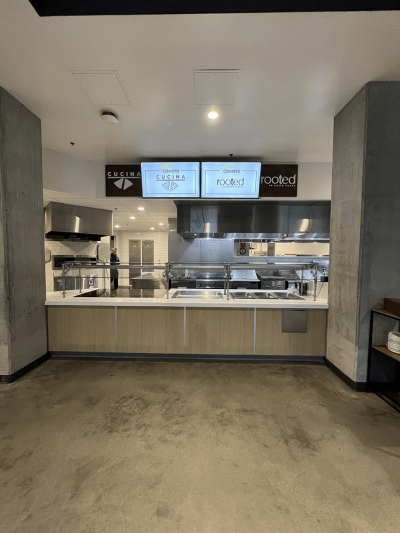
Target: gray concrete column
(23, 335)
(365, 221)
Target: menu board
(230, 180)
(170, 180)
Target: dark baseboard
(358, 386)
(10, 378)
(116, 356)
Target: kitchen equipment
(243, 295)
(184, 283)
(72, 283)
(210, 280)
(59, 260)
(273, 282)
(246, 279)
(205, 295)
(265, 295)
(287, 296)
(297, 285)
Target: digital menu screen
(170, 180)
(230, 180)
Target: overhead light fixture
(117, 226)
(133, 218)
(151, 228)
(141, 208)
(212, 115)
(109, 118)
(161, 224)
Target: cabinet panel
(271, 341)
(150, 330)
(81, 329)
(219, 331)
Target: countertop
(55, 298)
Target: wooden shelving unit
(383, 365)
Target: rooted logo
(279, 181)
(231, 182)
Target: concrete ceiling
(296, 71)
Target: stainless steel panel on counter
(203, 295)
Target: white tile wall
(68, 248)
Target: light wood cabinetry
(182, 330)
(219, 331)
(81, 329)
(271, 341)
(150, 330)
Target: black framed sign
(278, 180)
(123, 180)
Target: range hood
(76, 223)
(269, 221)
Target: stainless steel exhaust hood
(76, 223)
(294, 221)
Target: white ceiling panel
(215, 87)
(102, 88)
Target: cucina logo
(279, 181)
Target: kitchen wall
(160, 239)
(301, 248)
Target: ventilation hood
(76, 223)
(272, 221)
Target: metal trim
(255, 331)
(116, 328)
(184, 329)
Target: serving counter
(187, 327)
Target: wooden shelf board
(385, 350)
(386, 313)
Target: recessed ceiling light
(212, 115)
(132, 218)
(138, 233)
(141, 208)
(151, 228)
(117, 226)
(161, 224)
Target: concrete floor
(101, 447)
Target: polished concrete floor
(102, 447)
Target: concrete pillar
(23, 336)
(365, 222)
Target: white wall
(71, 175)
